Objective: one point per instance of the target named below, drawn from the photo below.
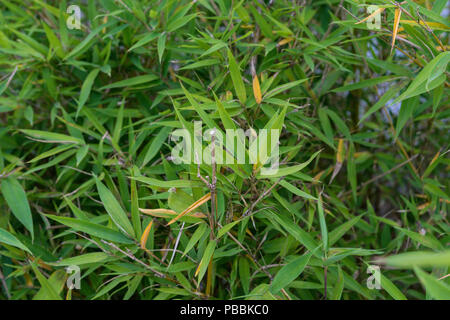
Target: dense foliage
(87, 176)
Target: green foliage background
(84, 143)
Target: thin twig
(132, 257)
(265, 193)
(5, 286)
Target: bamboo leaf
(16, 199)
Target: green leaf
(295, 190)
(200, 64)
(339, 286)
(298, 233)
(115, 211)
(337, 233)
(8, 238)
(81, 153)
(86, 89)
(390, 288)
(365, 83)
(285, 171)
(282, 88)
(207, 256)
(161, 45)
(148, 37)
(84, 45)
(289, 272)
(47, 288)
(57, 280)
(428, 78)
(419, 259)
(92, 257)
(244, 274)
(16, 198)
(131, 82)
(52, 137)
(238, 83)
(226, 228)
(178, 23)
(323, 224)
(198, 108)
(387, 96)
(435, 288)
(198, 234)
(93, 229)
(169, 184)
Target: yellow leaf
(423, 206)
(198, 268)
(162, 213)
(439, 48)
(339, 159)
(340, 151)
(284, 41)
(145, 234)
(398, 13)
(373, 14)
(257, 90)
(105, 20)
(317, 177)
(432, 25)
(192, 207)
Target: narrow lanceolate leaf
(157, 212)
(93, 229)
(156, 145)
(437, 289)
(323, 224)
(398, 13)
(337, 233)
(207, 256)
(164, 213)
(391, 288)
(145, 234)
(115, 211)
(422, 259)
(296, 190)
(45, 284)
(83, 45)
(236, 77)
(9, 239)
(131, 82)
(52, 137)
(161, 45)
(373, 14)
(86, 89)
(170, 183)
(340, 154)
(92, 257)
(285, 171)
(148, 37)
(134, 207)
(289, 272)
(16, 199)
(257, 90)
(192, 207)
(430, 76)
(198, 234)
(295, 231)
